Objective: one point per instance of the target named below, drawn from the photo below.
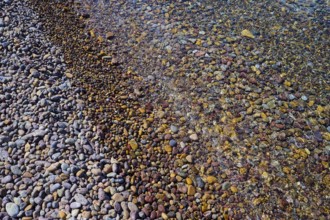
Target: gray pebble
(12, 144)
(75, 205)
(20, 142)
(81, 199)
(54, 187)
(16, 170)
(292, 97)
(12, 209)
(39, 133)
(6, 179)
(132, 207)
(174, 128)
(173, 143)
(70, 141)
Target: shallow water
(258, 101)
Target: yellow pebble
(164, 216)
(133, 144)
(287, 83)
(247, 33)
(234, 189)
(188, 181)
(199, 42)
(168, 148)
(211, 179)
(286, 170)
(61, 214)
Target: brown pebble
(191, 190)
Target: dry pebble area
(164, 109)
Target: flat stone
(189, 158)
(75, 212)
(96, 172)
(191, 190)
(4, 138)
(247, 33)
(211, 179)
(132, 207)
(52, 167)
(101, 194)
(75, 205)
(20, 142)
(70, 141)
(39, 133)
(81, 199)
(16, 170)
(3, 154)
(117, 197)
(54, 187)
(6, 179)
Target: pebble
(211, 179)
(189, 158)
(16, 170)
(20, 143)
(164, 216)
(54, 187)
(80, 199)
(61, 214)
(101, 195)
(39, 133)
(12, 209)
(199, 182)
(225, 185)
(6, 179)
(193, 137)
(70, 141)
(173, 143)
(117, 197)
(75, 205)
(227, 85)
(75, 212)
(132, 207)
(191, 190)
(174, 129)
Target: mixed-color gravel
(164, 109)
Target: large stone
(12, 209)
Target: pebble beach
(164, 109)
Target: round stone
(174, 128)
(173, 143)
(12, 209)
